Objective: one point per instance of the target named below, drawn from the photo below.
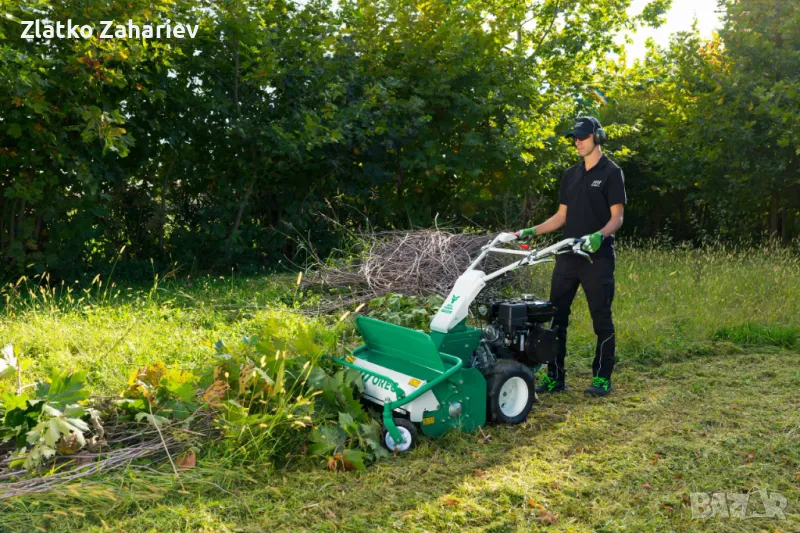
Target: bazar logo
(737, 505)
(37, 29)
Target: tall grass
(110, 333)
(668, 303)
(677, 300)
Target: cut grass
(628, 462)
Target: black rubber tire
(405, 424)
(496, 377)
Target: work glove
(592, 242)
(527, 232)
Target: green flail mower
(458, 376)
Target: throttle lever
(584, 254)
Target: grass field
(706, 401)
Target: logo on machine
(377, 381)
(448, 308)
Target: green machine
(457, 376)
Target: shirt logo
(596, 183)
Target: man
(591, 203)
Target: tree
(715, 127)
(199, 150)
(62, 133)
(760, 102)
(454, 108)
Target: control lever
(576, 248)
(584, 254)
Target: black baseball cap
(584, 126)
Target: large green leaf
(22, 416)
(65, 387)
(326, 439)
(355, 457)
(13, 401)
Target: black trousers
(597, 280)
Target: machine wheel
(510, 392)
(407, 430)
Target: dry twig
(128, 441)
(415, 263)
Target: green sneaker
(549, 384)
(600, 387)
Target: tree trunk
(774, 215)
(236, 221)
(2, 228)
(21, 224)
(164, 185)
(12, 233)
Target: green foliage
(57, 430)
(64, 387)
(214, 151)
(158, 391)
(347, 431)
(272, 393)
(266, 407)
(711, 144)
(207, 151)
(21, 415)
(655, 11)
(414, 312)
(276, 398)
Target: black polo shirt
(589, 197)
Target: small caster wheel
(407, 430)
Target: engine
(520, 329)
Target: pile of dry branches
(127, 441)
(413, 263)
